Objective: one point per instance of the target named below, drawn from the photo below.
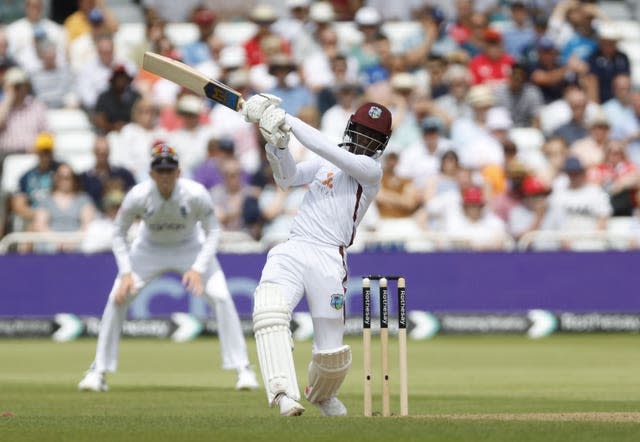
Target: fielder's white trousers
(150, 261)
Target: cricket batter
(174, 214)
(343, 181)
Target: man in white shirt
(343, 181)
(174, 214)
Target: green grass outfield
(462, 388)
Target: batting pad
(327, 370)
(271, 320)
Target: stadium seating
(63, 120)
(15, 165)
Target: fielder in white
(343, 181)
(179, 232)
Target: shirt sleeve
(211, 228)
(131, 208)
(286, 172)
(362, 168)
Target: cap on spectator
(532, 185)
(573, 165)
(120, 68)
(608, 31)
(516, 170)
(226, 144)
(292, 4)
(321, 12)
(15, 75)
(263, 14)
(368, 16)
(232, 57)
(492, 35)
(44, 141)
(599, 118)
(204, 17)
(95, 16)
(498, 118)
(190, 105)
(545, 44)
(238, 79)
(473, 195)
(403, 81)
(112, 198)
(457, 72)
(480, 95)
(164, 157)
(431, 124)
(281, 61)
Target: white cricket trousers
(149, 261)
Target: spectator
(431, 38)
(520, 97)
(211, 65)
(22, 116)
(132, 146)
(580, 207)
(502, 204)
(155, 30)
(25, 33)
(320, 69)
(66, 209)
(520, 33)
(476, 42)
(454, 103)
(590, 150)
(113, 108)
(78, 24)
(190, 141)
(263, 16)
(550, 75)
(197, 52)
(473, 226)
(229, 197)
(99, 233)
(93, 78)
(462, 28)
(576, 128)
(209, 172)
(53, 84)
(83, 49)
(493, 65)
(619, 108)
(397, 197)
(436, 66)
(332, 122)
(618, 176)
(605, 63)
(170, 11)
(298, 29)
(103, 174)
(294, 97)
(327, 96)
(34, 185)
(583, 41)
(528, 215)
(555, 151)
(368, 22)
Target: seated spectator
(430, 39)
(605, 63)
(445, 180)
(22, 116)
(229, 197)
(113, 108)
(36, 184)
(368, 21)
(475, 42)
(34, 27)
(520, 33)
(326, 67)
(263, 16)
(53, 84)
(103, 174)
(93, 77)
(473, 226)
(555, 152)
(397, 197)
(503, 203)
(294, 96)
(197, 52)
(528, 214)
(576, 127)
(435, 67)
(332, 122)
(583, 41)
(100, 231)
(590, 149)
(65, 209)
(78, 23)
(83, 49)
(520, 97)
(209, 172)
(619, 108)
(618, 176)
(492, 65)
(454, 103)
(580, 207)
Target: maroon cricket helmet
(368, 130)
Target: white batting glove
(256, 105)
(273, 127)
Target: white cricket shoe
(289, 407)
(93, 381)
(247, 380)
(332, 407)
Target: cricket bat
(186, 76)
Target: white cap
(403, 81)
(608, 31)
(232, 57)
(368, 16)
(322, 12)
(498, 118)
(238, 78)
(298, 3)
(263, 13)
(15, 75)
(480, 95)
(190, 104)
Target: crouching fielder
(343, 181)
(174, 214)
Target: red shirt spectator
(493, 65)
(263, 16)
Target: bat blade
(195, 81)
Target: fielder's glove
(255, 106)
(273, 127)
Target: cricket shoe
(247, 380)
(332, 407)
(93, 381)
(289, 407)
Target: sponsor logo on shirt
(171, 227)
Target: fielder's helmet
(368, 130)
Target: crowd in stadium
(509, 116)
